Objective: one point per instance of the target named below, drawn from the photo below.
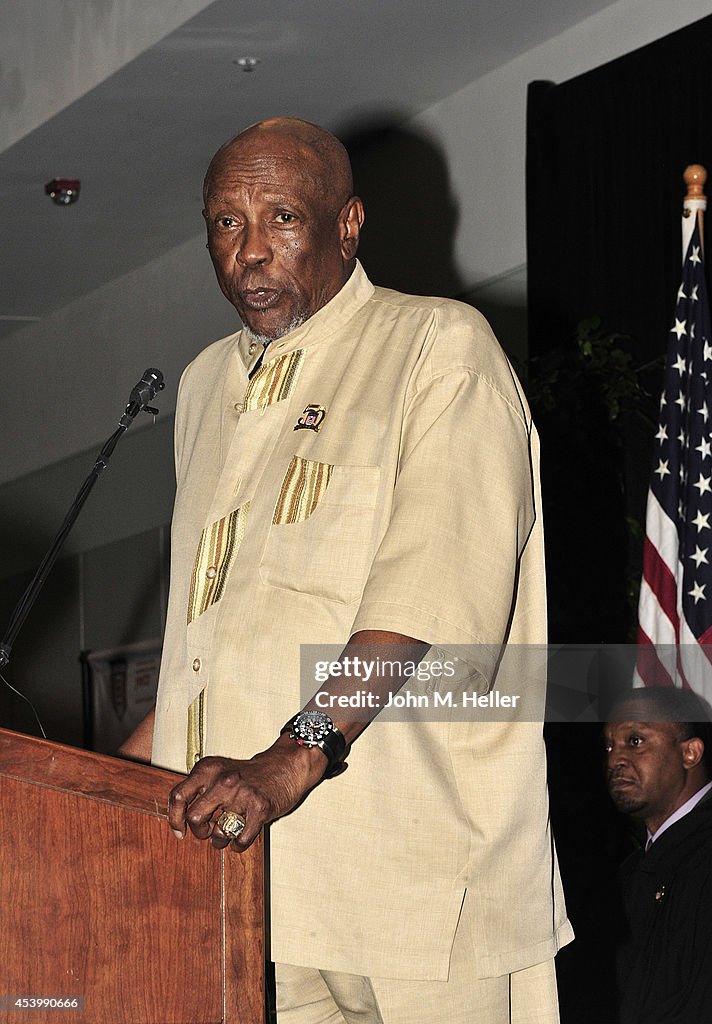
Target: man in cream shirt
(356, 467)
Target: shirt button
(252, 349)
(238, 406)
(211, 572)
(196, 664)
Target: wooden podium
(99, 902)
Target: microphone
(141, 394)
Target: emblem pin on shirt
(311, 419)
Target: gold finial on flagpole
(695, 201)
(695, 177)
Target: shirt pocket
(322, 536)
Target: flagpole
(695, 201)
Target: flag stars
(707, 351)
(704, 448)
(702, 522)
(703, 485)
(681, 437)
(663, 469)
(680, 365)
(698, 592)
(681, 292)
(700, 556)
(662, 434)
(680, 400)
(693, 296)
(679, 329)
(704, 412)
(695, 258)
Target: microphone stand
(137, 403)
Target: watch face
(310, 727)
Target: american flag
(675, 610)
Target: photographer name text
(407, 699)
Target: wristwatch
(315, 729)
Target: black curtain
(605, 157)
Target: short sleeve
(446, 570)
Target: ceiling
(141, 139)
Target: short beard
(629, 804)
(265, 339)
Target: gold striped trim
(217, 550)
(273, 382)
(196, 731)
(303, 487)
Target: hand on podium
(260, 790)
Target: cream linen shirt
(413, 508)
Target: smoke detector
(63, 191)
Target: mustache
(252, 281)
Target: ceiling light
(247, 63)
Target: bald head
(283, 225)
(319, 154)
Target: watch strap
(333, 745)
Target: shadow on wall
(408, 241)
(411, 213)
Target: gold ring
(231, 824)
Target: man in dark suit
(659, 754)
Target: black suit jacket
(665, 959)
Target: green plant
(597, 363)
(595, 407)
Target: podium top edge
(87, 774)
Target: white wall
(161, 314)
(72, 373)
(482, 128)
(73, 370)
(53, 51)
